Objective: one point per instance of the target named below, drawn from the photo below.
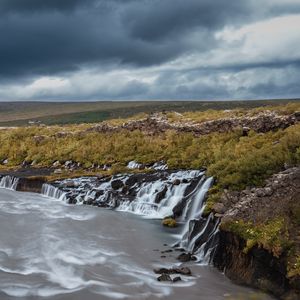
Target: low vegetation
(272, 236)
(169, 222)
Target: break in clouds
(149, 49)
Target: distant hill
(21, 113)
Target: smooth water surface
(51, 250)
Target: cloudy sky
(149, 49)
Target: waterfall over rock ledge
(9, 182)
(163, 193)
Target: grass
(272, 235)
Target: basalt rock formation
(157, 123)
(259, 266)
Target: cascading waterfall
(146, 202)
(199, 235)
(194, 210)
(53, 192)
(9, 182)
(155, 195)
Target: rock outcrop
(259, 267)
(156, 124)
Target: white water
(53, 192)
(144, 203)
(195, 209)
(9, 182)
(133, 165)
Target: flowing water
(52, 250)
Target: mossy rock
(169, 222)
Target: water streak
(9, 182)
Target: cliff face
(33, 184)
(257, 268)
(260, 235)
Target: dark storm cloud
(141, 33)
(156, 19)
(41, 5)
(63, 37)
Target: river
(51, 250)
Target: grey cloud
(62, 37)
(101, 32)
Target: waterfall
(147, 202)
(194, 210)
(9, 182)
(157, 195)
(53, 192)
(199, 235)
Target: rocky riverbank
(259, 239)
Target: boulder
(169, 222)
(219, 208)
(161, 195)
(184, 257)
(176, 279)
(164, 277)
(176, 182)
(117, 184)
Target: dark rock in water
(184, 257)
(131, 180)
(179, 249)
(161, 271)
(167, 251)
(183, 271)
(117, 184)
(72, 200)
(161, 195)
(164, 277)
(176, 182)
(89, 201)
(125, 189)
(99, 193)
(176, 279)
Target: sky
(86, 50)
